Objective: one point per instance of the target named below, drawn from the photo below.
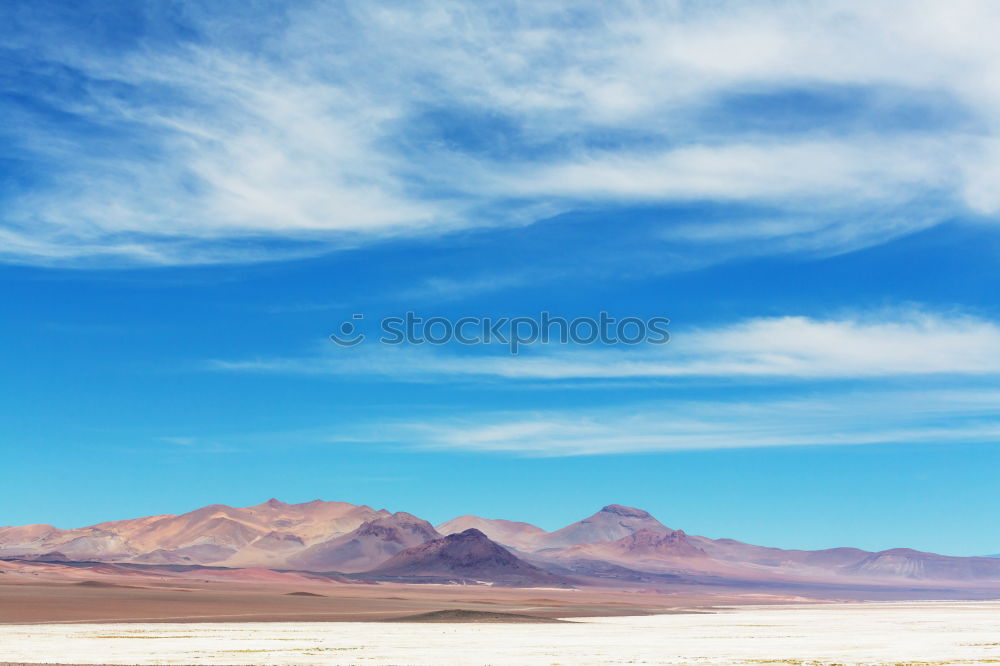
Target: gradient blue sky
(193, 196)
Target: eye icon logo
(349, 336)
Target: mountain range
(617, 545)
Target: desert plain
(334, 583)
(848, 633)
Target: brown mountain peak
(625, 511)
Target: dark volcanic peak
(464, 551)
(473, 616)
(468, 555)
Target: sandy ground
(192, 601)
(33, 593)
(872, 633)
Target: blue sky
(193, 196)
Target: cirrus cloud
(943, 417)
(875, 345)
(283, 131)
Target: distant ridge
(371, 543)
(617, 545)
(609, 524)
(523, 536)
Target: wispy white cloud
(879, 170)
(933, 417)
(870, 346)
(286, 133)
(441, 289)
(179, 441)
(199, 445)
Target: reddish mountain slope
(216, 534)
(653, 544)
(644, 550)
(336, 536)
(369, 545)
(609, 524)
(522, 536)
